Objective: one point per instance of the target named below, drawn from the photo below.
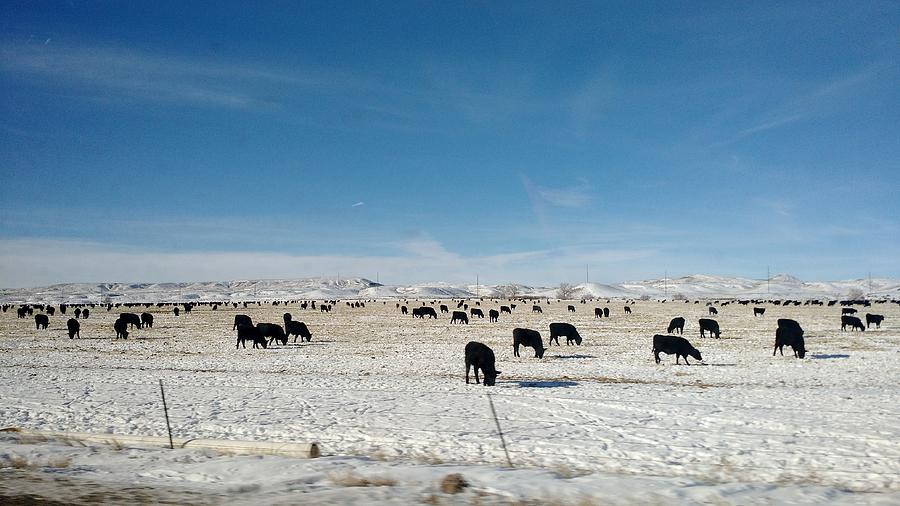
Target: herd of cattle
(477, 355)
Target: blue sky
(429, 141)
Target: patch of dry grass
(349, 479)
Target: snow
(385, 397)
(694, 286)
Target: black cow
(598, 312)
(147, 319)
(121, 327)
(505, 309)
(41, 321)
(848, 310)
(481, 357)
(759, 311)
(537, 309)
(77, 312)
(476, 312)
(403, 310)
(493, 315)
(606, 312)
(713, 310)
(297, 329)
(423, 311)
(51, 310)
(676, 324)
(571, 309)
(21, 312)
(132, 319)
(273, 331)
(85, 313)
(245, 332)
(627, 310)
(874, 318)
(711, 326)
(853, 322)
(175, 311)
(74, 328)
(789, 333)
(676, 345)
(530, 338)
(444, 309)
(564, 329)
(459, 317)
(241, 319)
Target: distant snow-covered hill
(694, 286)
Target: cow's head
(490, 379)
(696, 354)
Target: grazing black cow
(132, 319)
(273, 331)
(147, 319)
(21, 312)
(571, 309)
(512, 306)
(41, 321)
(713, 310)
(530, 338)
(325, 308)
(459, 317)
(74, 328)
(848, 310)
(444, 309)
(564, 329)
(789, 333)
(481, 357)
(51, 310)
(403, 310)
(493, 315)
(711, 326)
(429, 311)
(676, 324)
(505, 309)
(759, 311)
(476, 312)
(121, 327)
(175, 311)
(874, 318)
(77, 312)
(606, 312)
(853, 322)
(85, 313)
(297, 329)
(537, 309)
(627, 310)
(241, 319)
(676, 345)
(598, 312)
(245, 332)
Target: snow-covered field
(385, 397)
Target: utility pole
(376, 278)
(870, 283)
(666, 284)
(768, 279)
(476, 285)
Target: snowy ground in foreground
(597, 422)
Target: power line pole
(476, 285)
(666, 284)
(768, 279)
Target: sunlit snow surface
(385, 396)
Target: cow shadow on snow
(823, 356)
(571, 356)
(546, 384)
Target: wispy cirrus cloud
(810, 103)
(137, 75)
